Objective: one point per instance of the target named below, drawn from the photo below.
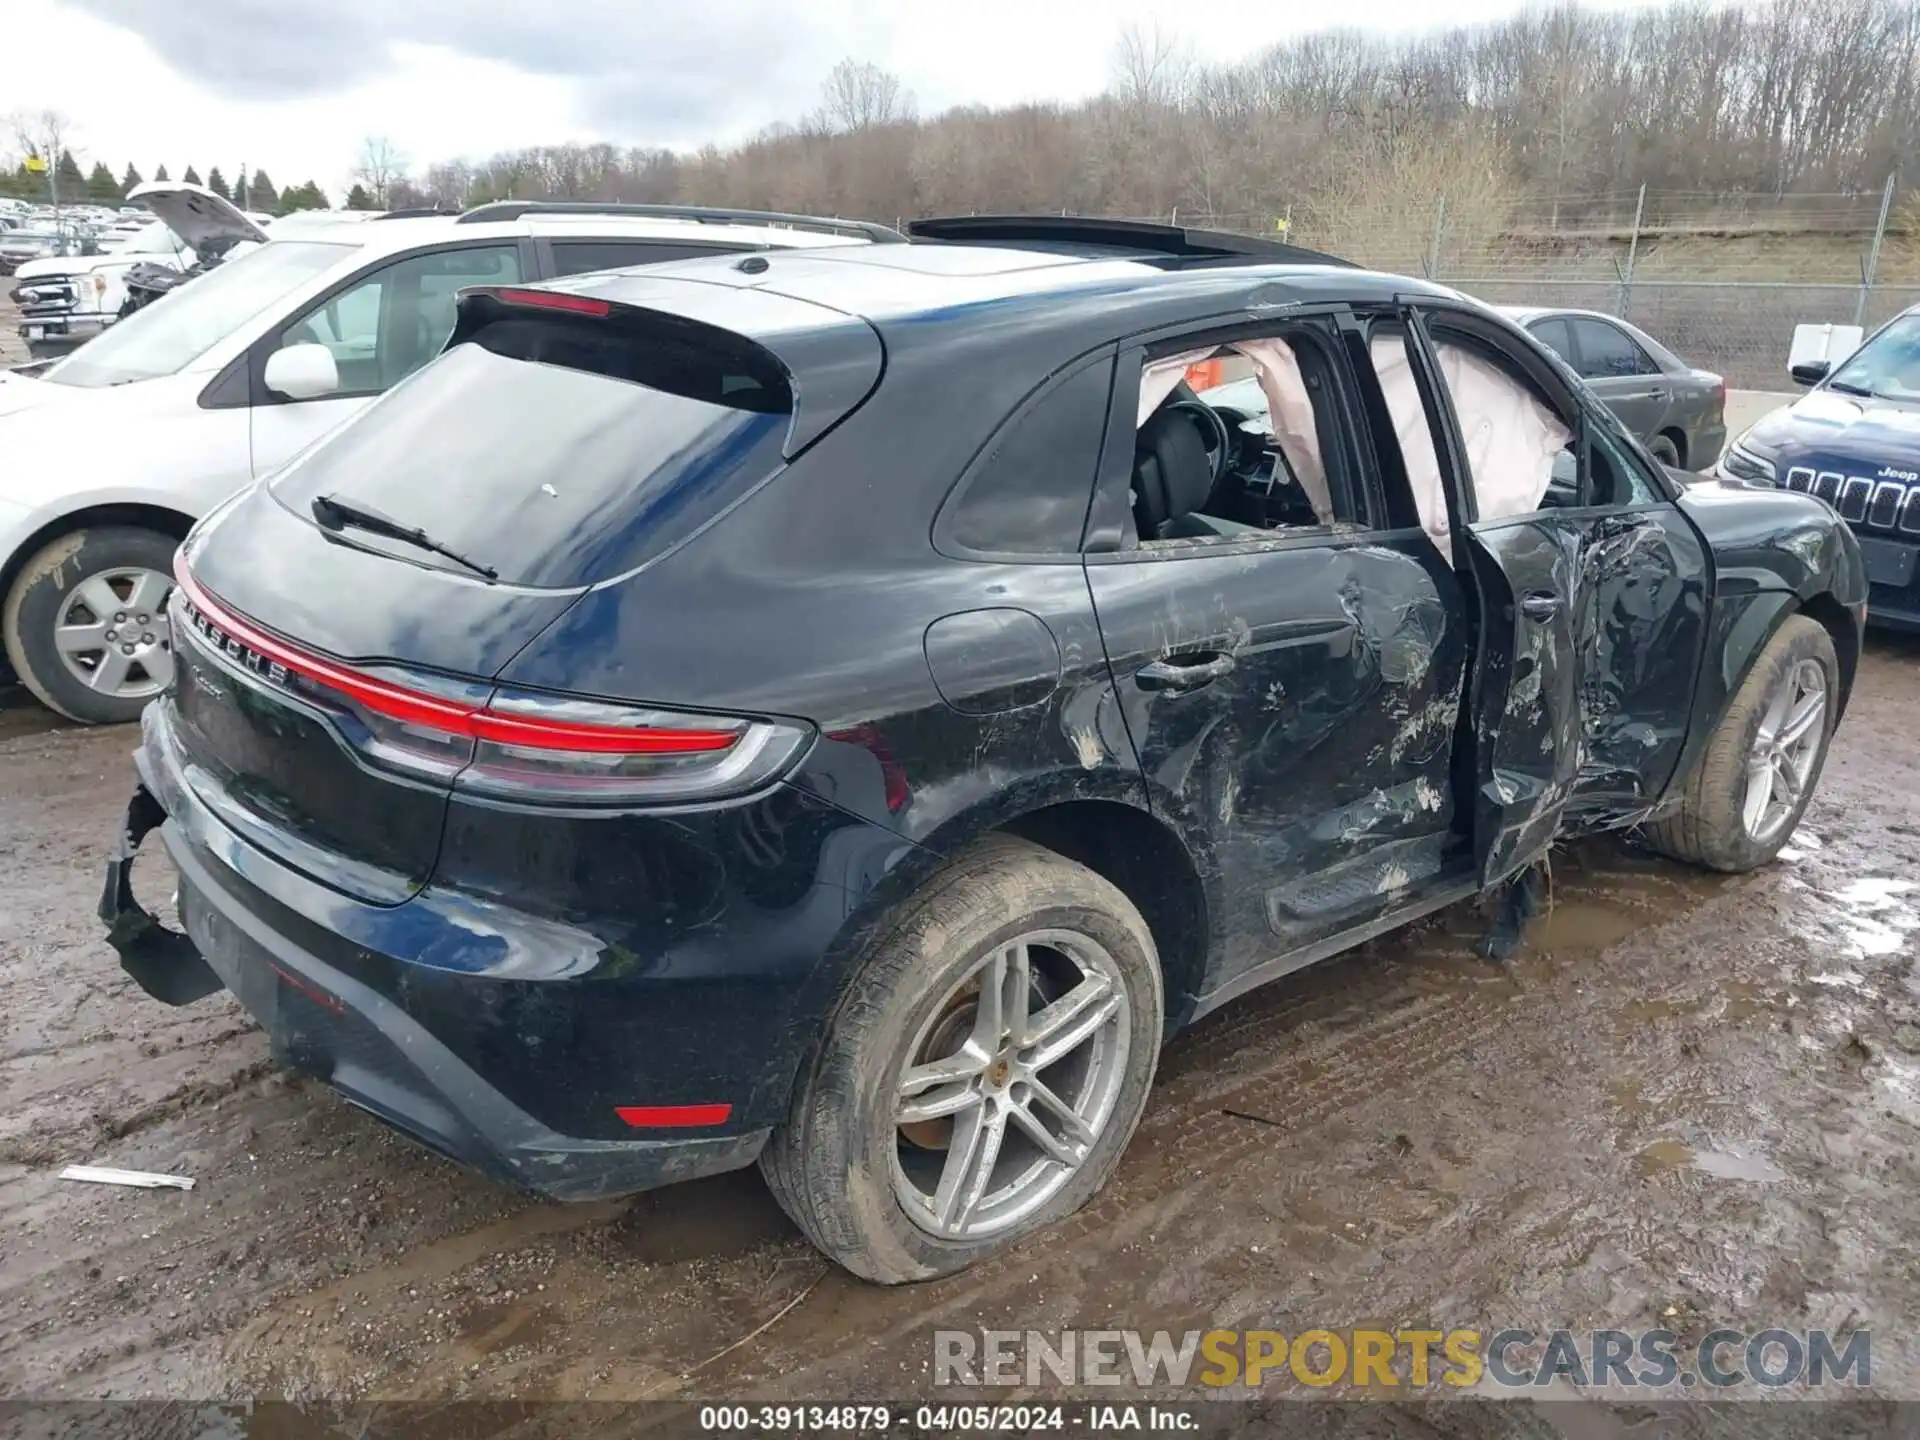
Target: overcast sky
(293, 85)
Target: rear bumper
(323, 1021)
(1706, 447)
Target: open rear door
(1520, 745)
(1525, 743)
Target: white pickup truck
(65, 300)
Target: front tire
(1760, 767)
(984, 1072)
(85, 622)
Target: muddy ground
(1692, 1101)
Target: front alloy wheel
(1785, 748)
(1756, 776)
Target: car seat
(1173, 479)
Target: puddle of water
(1730, 1000)
(1733, 1163)
(1662, 1156)
(1579, 925)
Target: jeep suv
(845, 710)
(224, 380)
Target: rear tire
(855, 1166)
(1714, 824)
(1663, 449)
(127, 571)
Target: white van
(114, 451)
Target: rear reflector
(553, 300)
(518, 744)
(673, 1117)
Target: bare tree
(1151, 66)
(380, 165)
(47, 134)
(859, 95)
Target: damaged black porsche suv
(844, 710)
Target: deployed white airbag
(1511, 437)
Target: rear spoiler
(832, 361)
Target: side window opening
(1239, 440)
(1607, 352)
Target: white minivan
(108, 457)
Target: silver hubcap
(1009, 1084)
(112, 633)
(1784, 750)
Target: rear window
(559, 452)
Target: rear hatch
(335, 678)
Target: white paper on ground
(142, 1179)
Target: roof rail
(700, 214)
(1173, 241)
(414, 212)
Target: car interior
(1246, 459)
(1263, 452)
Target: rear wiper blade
(338, 515)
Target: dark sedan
(1677, 411)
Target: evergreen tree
(72, 182)
(160, 173)
(190, 177)
(358, 199)
(129, 180)
(101, 189)
(217, 183)
(261, 194)
(305, 197)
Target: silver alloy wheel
(113, 635)
(1008, 1084)
(1785, 748)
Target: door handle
(1165, 674)
(1615, 525)
(1540, 605)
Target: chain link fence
(1722, 280)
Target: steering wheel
(1222, 446)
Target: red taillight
(554, 300)
(672, 1117)
(593, 739)
(520, 743)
